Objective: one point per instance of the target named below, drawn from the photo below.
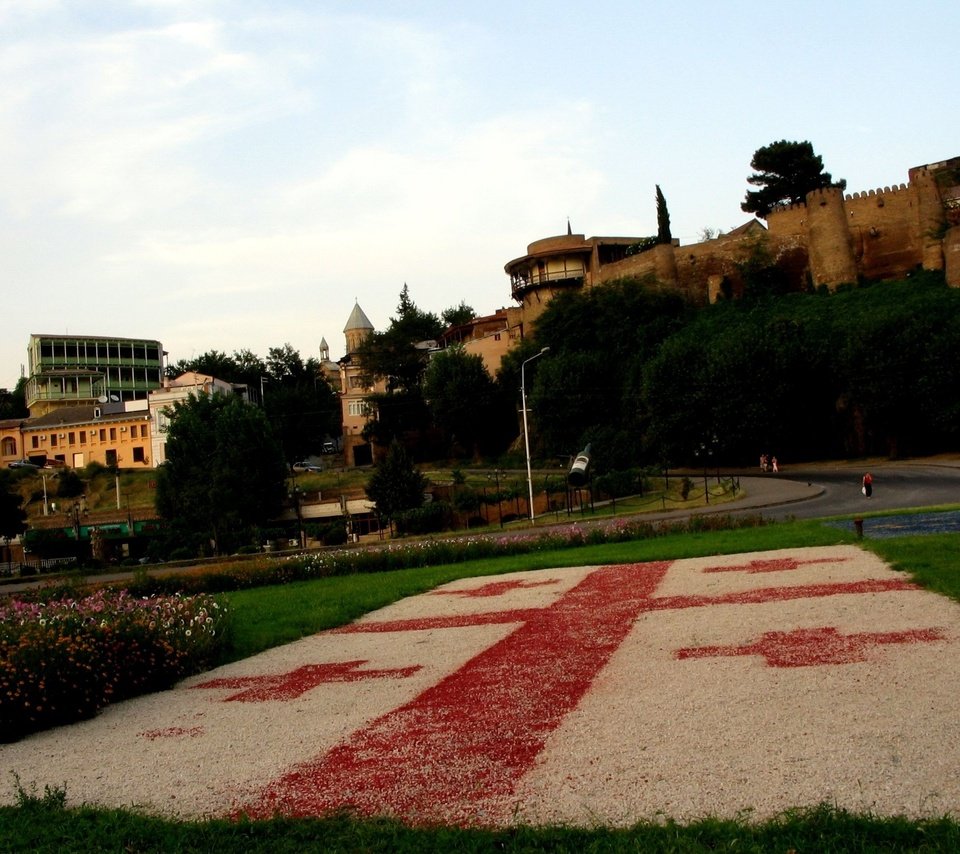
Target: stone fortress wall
(828, 240)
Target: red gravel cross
(289, 686)
(495, 588)
(809, 647)
(782, 564)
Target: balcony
(522, 281)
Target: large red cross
(288, 686)
(463, 744)
(807, 647)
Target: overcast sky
(233, 175)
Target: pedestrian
(775, 464)
(867, 485)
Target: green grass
(264, 617)
(43, 825)
(267, 616)
(932, 560)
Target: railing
(521, 283)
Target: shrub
(64, 659)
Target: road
(896, 486)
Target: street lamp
(526, 431)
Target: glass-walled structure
(80, 370)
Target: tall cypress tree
(663, 219)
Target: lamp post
(526, 431)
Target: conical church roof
(357, 320)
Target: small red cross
(289, 686)
(773, 565)
(809, 647)
(494, 588)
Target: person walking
(867, 485)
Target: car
(23, 464)
(305, 466)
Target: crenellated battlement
(880, 191)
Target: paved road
(896, 486)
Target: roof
(67, 415)
(357, 320)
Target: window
(83, 437)
(71, 437)
(113, 434)
(143, 431)
(358, 408)
(53, 440)
(103, 435)
(138, 455)
(8, 447)
(34, 441)
(111, 457)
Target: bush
(64, 659)
(427, 519)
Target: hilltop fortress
(829, 240)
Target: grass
(267, 616)
(44, 826)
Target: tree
(457, 315)
(12, 515)
(459, 393)
(396, 485)
(663, 219)
(13, 404)
(786, 172)
(224, 474)
(393, 354)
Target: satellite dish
(102, 399)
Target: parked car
(305, 466)
(23, 464)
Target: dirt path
(732, 685)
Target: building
(489, 337)
(116, 435)
(355, 388)
(77, 370)
(828, 240)
(162, 401)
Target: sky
(235, 175)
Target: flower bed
(431, 552)
(65, 659)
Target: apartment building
(84, 370)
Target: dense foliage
(396, 484)
(12, 515)
(296, 395)
(646, 379)
(460, 395)
(786, 172)
(224, 475)
(64, 659)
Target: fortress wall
(951, 252)
(831, 252)
(788, 221)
